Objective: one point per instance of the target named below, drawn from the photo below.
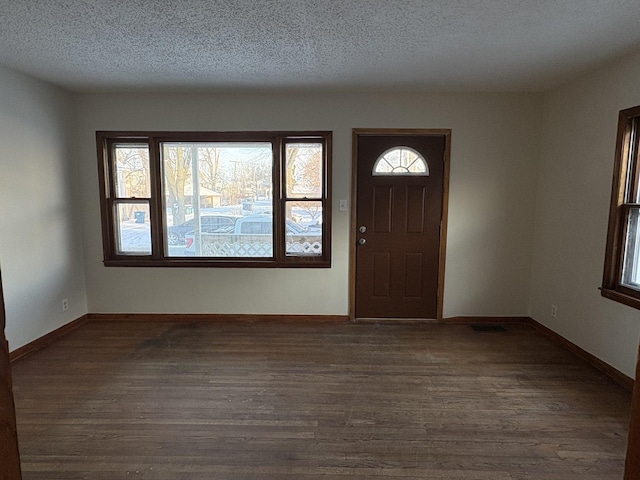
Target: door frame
(9, 453)
(356, 132)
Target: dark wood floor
(271, 400)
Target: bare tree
(133, 178)
(209, 166)
(177, 171)
(132, 165)
(304, 177)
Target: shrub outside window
(215, 199)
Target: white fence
(216, 245)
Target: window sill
(620, 297)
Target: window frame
(625, 186)
(106, 140)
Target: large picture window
(621, 280)
(215, 199)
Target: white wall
(495, 148)
(578, 145)
(40, 238)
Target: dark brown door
(398, 222)
(9, 458)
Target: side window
(621, 279)
(129, 204)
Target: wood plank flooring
(282, 400)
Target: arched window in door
(401, 161)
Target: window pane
(304, 228)
(204, 199)
(133, 230)
(631, 262)
(401, 161)
(304, 170)
(132, 171)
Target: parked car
(208, 224)
(263, 225)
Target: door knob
(362, 229)
(362, 241)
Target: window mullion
(109, 171)
(156, 202)
(279, 184)
(109, 235)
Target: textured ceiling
(472, 45)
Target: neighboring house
(208, 198)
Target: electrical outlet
(554, 311)
(65, 304)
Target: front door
(399, 211)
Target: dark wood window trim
(624, 199)
(279, 139)
(9, 452)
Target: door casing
(356, 132)
(9, 453)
